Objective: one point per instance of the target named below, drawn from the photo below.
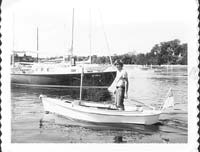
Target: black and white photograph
(104, 75)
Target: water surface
(31, 125)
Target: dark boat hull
(98, 79)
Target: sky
(102, 27)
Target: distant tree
(183, 55)
(126, 59)
(94, 59)
(155, 51)
(141, 59)
(170, 52)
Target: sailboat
(102, 113)
(64, 74)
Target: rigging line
(107, 44)
(13, 28)
(13, 41)
(37, 43)
(72, 42)
(90, 36)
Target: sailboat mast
(81, 83)
(72, 44)
(106, 38)
(13, 45)
(37, 43)
(90, 37)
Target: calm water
(31, 125)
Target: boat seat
(138, 109)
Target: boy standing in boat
(121, 85)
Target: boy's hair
(118, 62)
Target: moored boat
(99, 113)
(62, 76)
(65, 74)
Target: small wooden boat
(104, 113)
(99, 113)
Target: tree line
(170, 52)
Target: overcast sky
(128, 25)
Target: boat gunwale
(124, 125)
(76, 107)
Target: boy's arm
(126, 87)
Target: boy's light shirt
(118, 80)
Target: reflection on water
(95, 133)
(30, 124)
(118, 139)
(90, 94)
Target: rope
(106, 39)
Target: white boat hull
(96, 115)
